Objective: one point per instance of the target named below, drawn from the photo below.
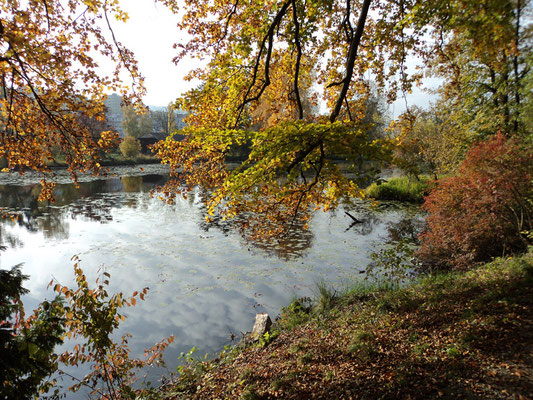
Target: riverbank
(455, 335)
(112, 160)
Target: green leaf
(32, 349)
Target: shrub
(26, 344)
(483, 211)
(130, 147)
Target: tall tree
(160, 123)
(136, 123)
(269, 53)
(171, 119)
(480, 48)
(259, 51)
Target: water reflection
(407, 229)
(204, 280)
(94, 201)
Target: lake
(206, 282)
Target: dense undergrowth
(449, 335)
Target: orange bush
(483, 210)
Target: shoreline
(446, 335)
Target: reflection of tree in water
(53, 224)
(408, 228)
(131, 183)
(292, 244)
(7, 240)
(363, 224)
(93, 200)
(361, 216)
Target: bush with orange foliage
(482, 211)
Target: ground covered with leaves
(455, 335)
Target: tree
(130, 147)
(262, 59)
(160, 123)
(171, 119)
(87, 314)
(265, 54)
(136, 123)
(429, 144)
(258, 52)
(94, 125)
(49, 82)
(481, 50)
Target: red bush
(482, 211)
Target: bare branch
(117, 44)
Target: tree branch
(298, 58)
(270, 37)
(350, 62)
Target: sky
(151, 32)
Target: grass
(453, 335)
(403, 188)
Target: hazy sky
(150, 33)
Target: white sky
(151, 32)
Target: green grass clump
(403, 188)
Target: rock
(262, 325)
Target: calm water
(205, 281)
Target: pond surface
(206, 282)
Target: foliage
(430, 143)
(267, 338)
(88, 315)
(403, 188)
(130, 147)
(269, 188)
(51, 82)
(480, 50)
(27, 355)
(295, 314)
(264, 58)
(92, 315)
(482, 211)
(135, 123)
